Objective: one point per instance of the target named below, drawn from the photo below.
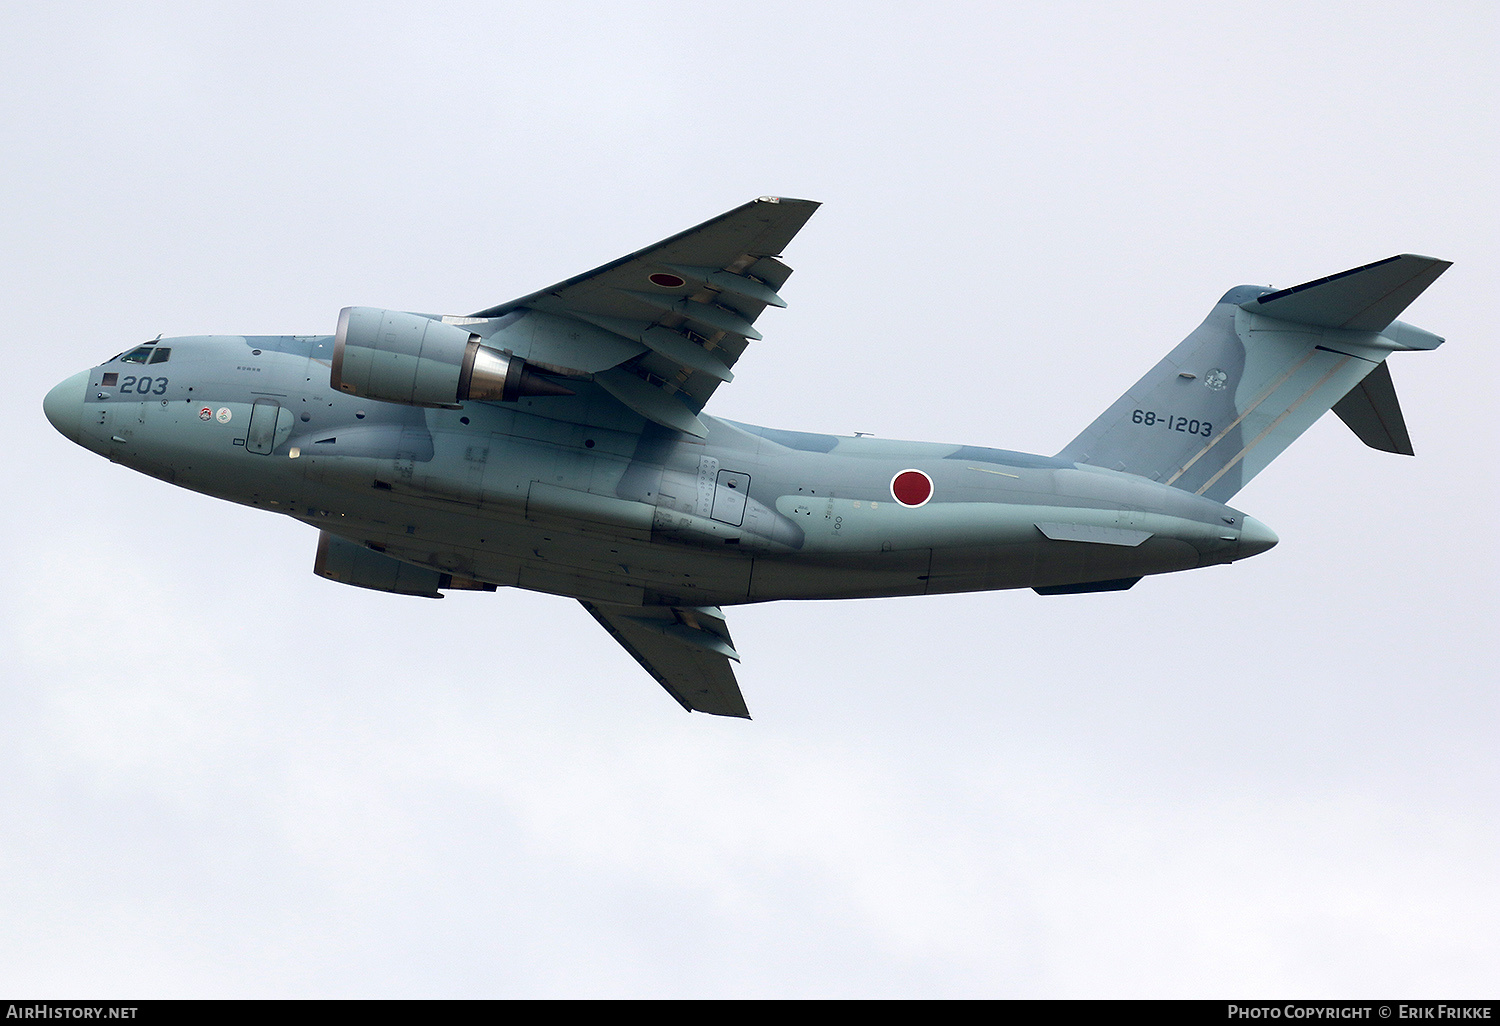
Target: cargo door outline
(270, 424)
(730, 493)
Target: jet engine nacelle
(406, 358)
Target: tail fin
(1257, 373)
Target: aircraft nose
(1255, 538)
(64, 405)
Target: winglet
(1364, 298)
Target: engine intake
(405, 358)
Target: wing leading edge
(673, 317)
(686, 648)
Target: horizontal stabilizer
(1365, 298)
(1373, 412)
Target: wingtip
(1437, 264)
(789, 200)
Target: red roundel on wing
(667, 281)
(911, 487)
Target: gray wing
(686, 648)
(661, 328)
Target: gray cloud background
(222, 776)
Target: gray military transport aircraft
(558, 443)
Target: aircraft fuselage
(558, 442)
(576, 495)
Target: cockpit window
(140, 355)
(161, 355)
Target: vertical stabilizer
(1259, 371)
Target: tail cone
(1255, 538)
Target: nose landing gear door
(270, 425)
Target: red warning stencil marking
(911, 488)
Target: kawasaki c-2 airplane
(558, 443)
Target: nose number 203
(145, 385)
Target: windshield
(146, 354)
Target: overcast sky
(223, 776)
